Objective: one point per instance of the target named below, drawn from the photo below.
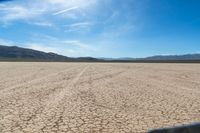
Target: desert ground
(97, 97)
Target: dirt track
(81, 97)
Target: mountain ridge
(15, 53)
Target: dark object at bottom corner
(193, 128)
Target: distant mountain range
(14, 53)
(160, 58)
(175, 57)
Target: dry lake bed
(97, 97)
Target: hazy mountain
(158, 58)
(175, 57)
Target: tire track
(34, 81)
(107, 97)
(69, 87)
(54, 107)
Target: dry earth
(83, 97)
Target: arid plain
(97, 97)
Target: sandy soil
(81, 97)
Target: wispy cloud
(73, 48)
(42, 23)
(81, 26)
(75, 27)
(9, 42)
(79, 44)
(59, 49)
(43, 47)
(65, 10)
(68, 47)
(16, 12)
(40, 11)
(11, 13)
(6, 42)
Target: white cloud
(80, 27)
(31, 16)
(8, 42)
(65, 10)
(79, 44)
(53, 41)
(71, 3)
(82, 24)
(45, 10)
(73, 48)
(42, 47)
(17, 12)
(42, 23)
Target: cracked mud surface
(89, 98)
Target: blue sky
(102, 28)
